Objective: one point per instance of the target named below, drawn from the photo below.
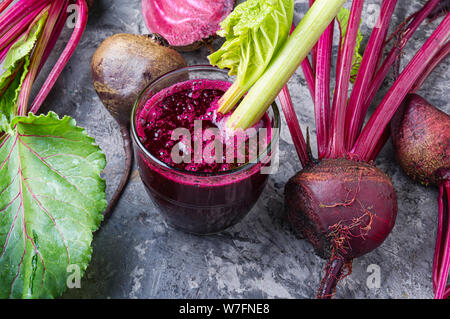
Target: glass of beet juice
(197, 188)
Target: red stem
(19, 28)
(309, 76)
(293, 123)
(24, 95)
(81, 21)
(383, 139)
(387, 64)
(446, 293)
(400, 28)
(4, 52)
(437, 248)
(441, 263)
(17, 13)
(55, 35)
(4, 4)
(441, 55)
(322, 96)
(344, 67)
(355, 115)
(294, 126)
(369, 138)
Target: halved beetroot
(186, 24)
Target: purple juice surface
(180, 106)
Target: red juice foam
(180, 106)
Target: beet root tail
(336, 269)
(126, 174)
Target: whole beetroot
(341, 230)
(124, 64)
(421, 139)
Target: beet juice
(202, 177)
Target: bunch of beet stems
(339, 123)
(17, 20)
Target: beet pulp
(186, 24)
(341, 230)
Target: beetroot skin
(185, 24)
(421, 139)
(344, 208)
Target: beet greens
(51, 193)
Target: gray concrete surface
(136, 255)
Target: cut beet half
(186, 24)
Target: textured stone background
(136, 255)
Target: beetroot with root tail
(421, 139)
(186, 24)
(344, 208)
(122, 66)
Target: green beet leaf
(51, 201)
(254, 32)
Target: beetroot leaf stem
(374, 129)
(322, 96)
(18, 12)
(337, 147)
(393, 55)
(437, 59)
(4, 4)
(24, 95)
(293, 125)
(355, 110)
(441, 263)
(19, 28)
(81, 21)
(309, 76)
